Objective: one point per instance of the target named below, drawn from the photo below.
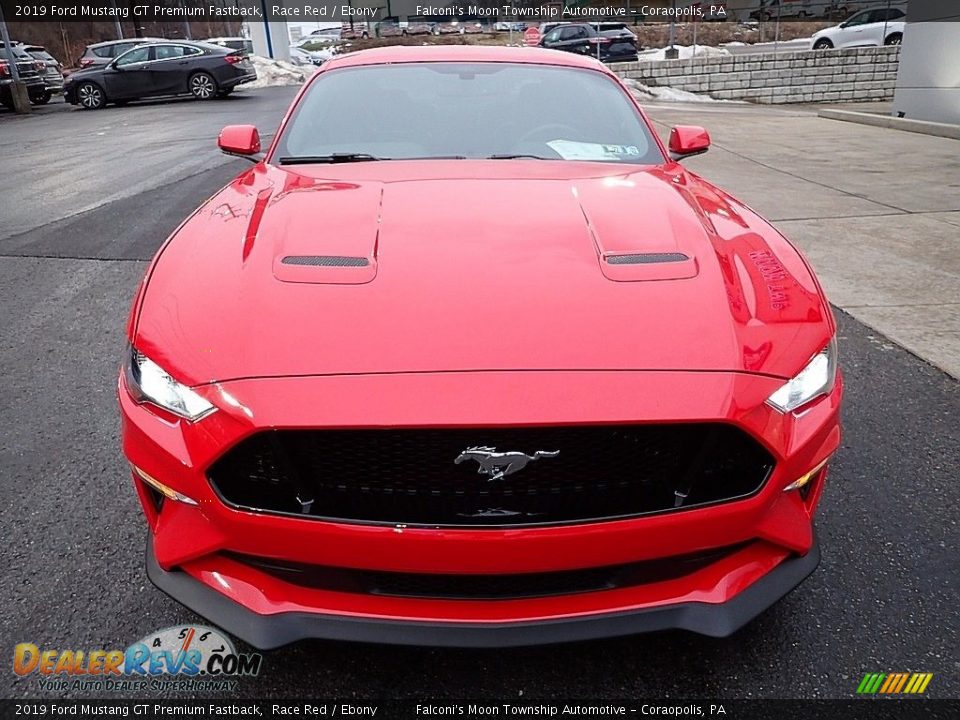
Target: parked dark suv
(30, 75)
(100, 54)
(608, 44)
(52, 71)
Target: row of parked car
(119, 71)
(38, 70)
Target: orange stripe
(187, 639)
(903, 679)
(887, 682)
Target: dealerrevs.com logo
(183, 657)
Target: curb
(923, 127)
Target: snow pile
(646, 93)
(272, 73)
(685, 52)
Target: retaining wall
(850, 75)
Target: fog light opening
(805, 479)
(165, 490)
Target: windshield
(469, 110)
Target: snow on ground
(646, 93)
(271, 73)
(686, 52)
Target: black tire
(893, 39)
(43, 99)
(822, 44)
(202, 86)
(365, 35)
(90, 96)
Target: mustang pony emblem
(500, 464)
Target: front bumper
(193, 548)
(271, 631)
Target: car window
(569, 33)
(120, 48)
(860, 18)
(886, 15)
(41, 54)
(140, 54)
(552, 36)
(470, 110)
(166, 52)
(104, 52)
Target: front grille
(560, 475)
(485, 587)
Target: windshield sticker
(571, 150)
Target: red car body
(487, 302)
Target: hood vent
(326, 260)
(645, 258)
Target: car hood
(490, 265)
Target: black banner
(491, 11)
(865, 709)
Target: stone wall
(851, 75)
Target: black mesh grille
(486, 587)
(326, 260)
(410, 475)
(645, 258)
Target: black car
(103, 53)
(29, 71)
(52, 71)
(614, 44)
(171, 67)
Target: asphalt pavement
(87, 199)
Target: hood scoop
(325, 234)
(325, 261)
(652, 242)
(645, 258)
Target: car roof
(463, 53)
(124, 40)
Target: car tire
(893, 39)
(822, 44)
(90, 96)
(43, 99)
(202, 86)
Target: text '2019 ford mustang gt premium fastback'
(467, 358)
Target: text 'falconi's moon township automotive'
(490, 369)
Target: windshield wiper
(509, 156)
(356, 157)
(339, 157)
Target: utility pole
(116, 22)
(18, 91)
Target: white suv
(867, 27)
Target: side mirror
(240, 140)
(688, 140)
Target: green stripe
(879, 681)
(863, 683)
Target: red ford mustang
(467, 358)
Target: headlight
(814, 380)
(148, 382)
